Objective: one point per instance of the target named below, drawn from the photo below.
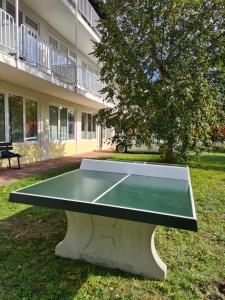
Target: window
(16, 118)
(94, 127)
(88, 126)
(53, 42)
(72, 55)
(10, 9)
(2, 118)
(58, 55)
(31, 23)
(22, 123)
(53, 119)
(71, 120)
(0, 3)
(84, 126)
(62, 123)
(107, 132)
(84, 74)
(31, 120)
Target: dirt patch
(221, 286)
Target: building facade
(49, 81)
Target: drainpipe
(76, 9)
(101, 137)
(76, 79)
(17, 30)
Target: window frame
(29, 18)
(88, 135)
(74, 124)
(7, 118)
(59, 140)
(25, 120)
(21, 14)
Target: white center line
(96, 199)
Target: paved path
(8, 176)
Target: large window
(31, 120)
(53, 119)
(20, 120)
(10, 9)
(31, 23)
(2, 118)
(71, 128)
(62, 123)
(107, 133)
(88, 126)
(16, 118)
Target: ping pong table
(113, 208)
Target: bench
(8, 146)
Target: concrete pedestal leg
(114, 243)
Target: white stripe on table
(96, 199)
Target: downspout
(75, 6)
(101, 137)
(17, 31)
(76, 79)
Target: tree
(163, 69)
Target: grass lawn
(195, 261)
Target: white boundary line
(103, 204)
(96, 199)
(191, 194)
(42, 181)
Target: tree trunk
(168, 154)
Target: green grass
(195, 261)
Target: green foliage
(163, 68)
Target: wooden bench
(8, 146)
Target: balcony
(7, 32)
(87, 11)
(42, 56)
(77, 28)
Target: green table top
(140, 198)
(80, 185)
(163, 195)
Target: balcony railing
(7, 31)
(87, 11)
(88, 79)
(45, 57)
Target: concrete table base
(111, 242)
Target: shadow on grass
(209, 161)
(31, 269)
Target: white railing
(7, 31)
(89, 80)
(43, 55)
(87, 11)
(28, 44)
